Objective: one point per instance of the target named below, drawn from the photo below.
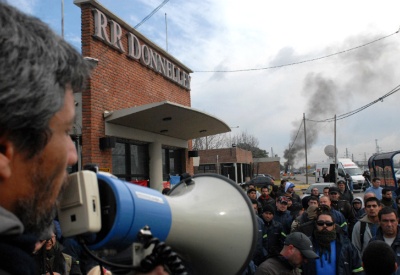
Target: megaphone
(209, 221)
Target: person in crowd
(282, 215)
(281, 190)
(325, 191)
(273, 232)
(387, 199)
(297, 249)
(343, 206)
(265, 198)
(389, 230)
(339, 218)
(305, 223)
(367, 177)
(375, 188)
(366, 196)
(397, 201)
(252, 194)
(356, 207)
(294, 208)
(259, 254)
(274, 191)
(289, 192)
(252, 186)
(349, 183)
(344, 192)
(365, 229)
(337, 255)
(314, 193)
(379, 258)
(39, 74)
(397, 191)
(50, 259)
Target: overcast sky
(230, 35)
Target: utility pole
(336, 168)
(305, 144)
(62, 18)
(166, 33)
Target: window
(130, 161)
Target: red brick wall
(118, 82)
(272, 168)
(225, 155)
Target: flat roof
(169, 119)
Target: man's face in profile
(44, 176)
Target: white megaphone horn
(209, 221)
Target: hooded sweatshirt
(358, 213)
(16, 248)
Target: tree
(242, 140)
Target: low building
(270, 166)
(234, 163)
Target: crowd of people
(329, 233)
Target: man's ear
(6, 154)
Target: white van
(345, 166)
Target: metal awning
(169, 119)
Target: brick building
(269, 166)
(234, 163)
(134, 119)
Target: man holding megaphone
(39, 74)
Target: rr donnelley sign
(137, 50)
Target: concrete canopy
(169, 119)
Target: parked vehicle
(320, 186)
(325, 172)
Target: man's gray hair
(36, 66)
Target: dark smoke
(361, 73)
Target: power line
(298, 131)
(299, 62)
(348, 114)
(151, 14)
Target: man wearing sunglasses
(365, 229)
(337, 255)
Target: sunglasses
(322, 223)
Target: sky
(335, 69)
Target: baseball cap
(283, 200)
(333, 189)
(302, 243)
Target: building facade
(134, 120)
(234, 163)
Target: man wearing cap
(289, 192)
(297, 250)
(337, 255)
(273, 232)
(343, 206)
(282, 215)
